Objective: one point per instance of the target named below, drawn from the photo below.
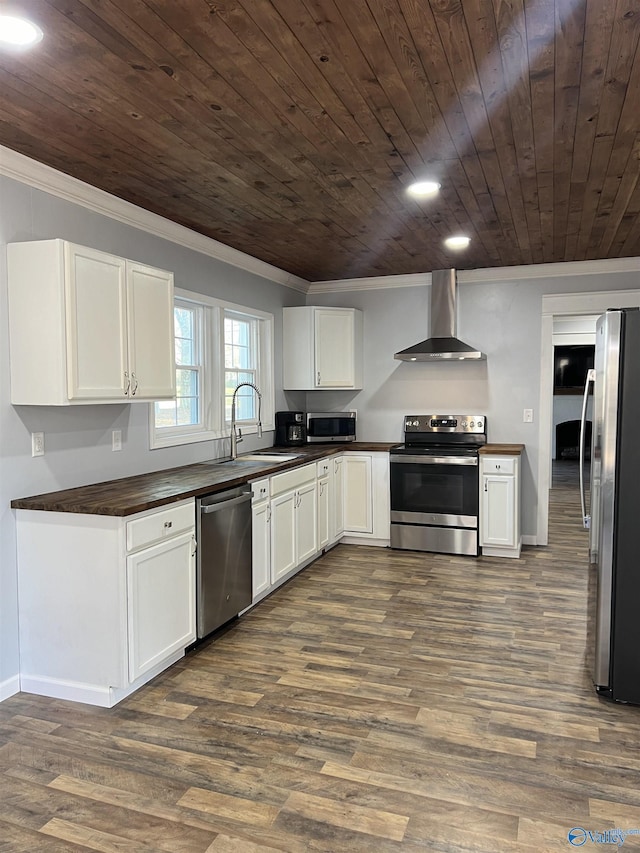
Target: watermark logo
(578, 836)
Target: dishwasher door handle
(225, 504)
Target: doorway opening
(560, 313)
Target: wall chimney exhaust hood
(443, 345)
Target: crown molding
(39, 176)
(480, 276)
(381, 282)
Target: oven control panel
(445, 423)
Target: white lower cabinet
(337, 511)
(500, 534)
(366, 498)
(106, 603)
(326, 500)
(283, 535)
(285, 526)
(300, 512)
(323, 512)
(160, 605)
(261, 538)
(307, 521)
(358, 497)
(293, 519)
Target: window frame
(213, 424)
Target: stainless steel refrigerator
(613, 630)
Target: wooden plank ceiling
(290, 129)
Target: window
(240, 365)
(218, 346)
(185, 410)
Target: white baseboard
(365, 539)
(91, 694)
(9, 687)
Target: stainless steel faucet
(236, 432)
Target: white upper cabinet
(95, 300)
(322, 348)
(87, 327)
(150, 341)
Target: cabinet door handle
(135, 384)
(194, 547)
(268, 514)
(485, 485)
(318, 381)
(168, 524)
(128, 384)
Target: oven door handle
(434, 460)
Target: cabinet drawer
(260, 489)
(293, 479)
(498, 465)
(160, 525)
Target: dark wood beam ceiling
(290, 129)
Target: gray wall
(78, 439)
(502, 319)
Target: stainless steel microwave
(331, 426)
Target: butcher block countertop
(502, 449)
(146, 491)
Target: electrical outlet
(527, 416)
(37, 444)
(116, 439)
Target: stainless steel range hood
(443, 344)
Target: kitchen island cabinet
(105, 604)
(104, 322)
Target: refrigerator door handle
(586, 518)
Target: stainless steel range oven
(434, 484)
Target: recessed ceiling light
(457, 242)
(18, 32)
(423, 189)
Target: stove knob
(464, 424)
(471, 424)
(416, 423)
(407, 424)
(479, 424)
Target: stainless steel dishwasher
(223, 564)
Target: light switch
(116, 439)
(527, 416)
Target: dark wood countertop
(506, 449)
(146, 491)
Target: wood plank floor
(381, 701)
